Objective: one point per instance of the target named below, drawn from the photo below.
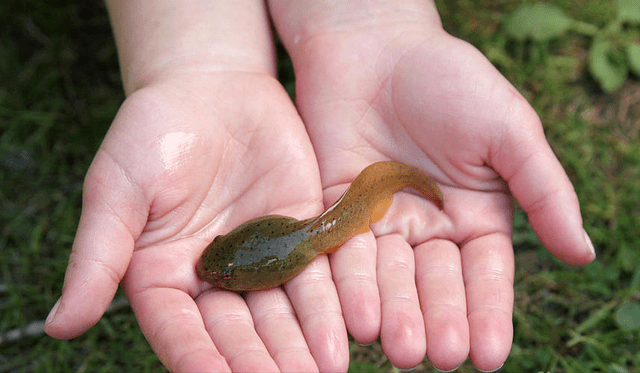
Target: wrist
(169, 38)
(300, 20)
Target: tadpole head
(213, 266)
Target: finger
(172, 323)
(402, 332)
(230, 325)
(354, 273)
(488, 270)
(277, 326)
(159, 285)
(111, 219)
(315, 300)
(540, 185)
(442, 295)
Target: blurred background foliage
(60, 89)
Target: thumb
(111, 219)
(541, 186)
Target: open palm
(186, 159)
(422, 97)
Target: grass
(60, 89)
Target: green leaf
(633, 57)
(629, 11)
(538, 21)
(607, 65)
(628, 316)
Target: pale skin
(207, 139)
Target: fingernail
(448, 371)
(588, 242)
(407, 370)
(52, 313)
(489, 371)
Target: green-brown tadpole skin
(270, 250)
